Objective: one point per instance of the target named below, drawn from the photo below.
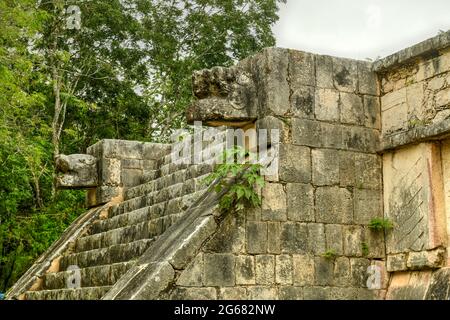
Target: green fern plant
(379, 224)
(243, 193)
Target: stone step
(98, 276)
(149, 175)
(88, 293)
(128, 233)
(183, 176)
(103, 256)
(173, 206)
(144, 198)
(113, 237)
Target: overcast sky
(359, 28)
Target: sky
(359, 29)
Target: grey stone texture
(219, 270)
(76, 171)
(300, 202)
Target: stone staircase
(112, 243)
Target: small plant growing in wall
(380, 224)
(365, 249)
(329, 254)
(243, 193)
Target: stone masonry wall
(415, 112)
(416, 93)
(327, 190)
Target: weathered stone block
(253, 214)
(256, 237)
(192, 276)
(327, 105)
(276, 75)
(316, 293)
(351, 107)
(342, 272)
(265, 269)
(360, 139)
(219, 270)
(274, 202)
(415, 101)
(367, 171)
(324, 72)
(283, 269)
(271, 125)
(324, 271)
(443, 98)
(345, 74)
(301, 68)
(367, 79)
(439, 288)
(294, 237)
(110, 172)
(325, 167)
(394, 111)
(396, 262)
(273, 237)
(181, 293)
(359, 271)
(426, 259)
(332, 136)
(133, 163)
(375, 242)
(245, 270)
(236, 293)
(334, 205)
(303, 268)
(262, 293)
(372, 112)
(413, 198)
(302, 102)
(155, 151)
(295, 163)
(291, 293)
(316, 238)
(367, 205)
(317, 134)
(409, 285)
(333, 235)
(300, 202)
(307, 132)
(353, 239)
(230, 236)
(131, 177)
(347, 168)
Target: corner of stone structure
(415, 114)
(120, 165)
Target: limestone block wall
(122, 164)
(327, 190)
(416, 93)
(415, 113)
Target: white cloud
(359, 28)
(373, 13)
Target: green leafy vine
(243, 193)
